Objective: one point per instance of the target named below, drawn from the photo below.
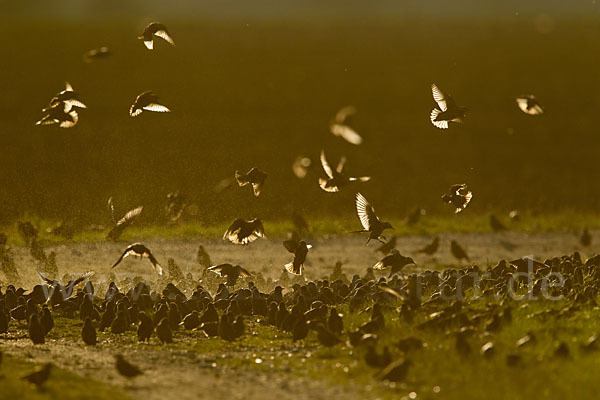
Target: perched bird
(88, 333)
(36, 331)
(458, 251)
(446, 111)
(529, 104)
(231, 272)
(300, 166)
(586, 239)
(145, 328)
(163, 331)
(255, 177)
(395, 260)
(244, 232)
(125, 368)
(335, 323)
(155, 29)
(388, 246)
(336, 179)
(141, 251)
(46, 319)
(39, 377)
(495, 224)
(191, 321)
(125, 222)
(96, 54)
(338, 126)
(147, 101)
(60, 114)
(459, 197)
(369, 220)
(299, 249)
(431, 248)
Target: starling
(39, 377)
(155, 29)
(529, 105)
(388, 246)
(4, 319)
(299, 249)
(300, 328)
(60, 114)
(68, 98)
(120, 323)
(459, 197)
(458, 251)
(335, 323)
(210, 315)
(127, 220)
(191, 321)
(338, 126)
(125, 368)
(369, 220)
(96, 54)
(336, 179)
(446, 111)
(147, 101)
(395, 260)
(88, 333)
(586, 239)
(254, 177)
(141, 251)
(231, 272)
(300, 166)
(496, 225)
(431, 248)
(174, 316)
(244, 232)
(145, 327)
(36, 331)
(163, 331)
(324, 335)
(46, 320)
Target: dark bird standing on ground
(388, 246)
(141, 251)
(395, 260)
(147, 101)
(431, 248)
(458, 251)
(496, 225)
(231, 272)
(36, 330)
(39, 377)
(299, 249)
(586, 239)
(244, 232)
(446, 111)
(336, 179)
(127, 220)
(458, 196)
(529, 104)
(255, 177)
(163, 331)
(125, 368)
(88, 333)
(340, 128)
(415, 216)
(145, 328)
(155, 29)
(96, 54)
(369, 220)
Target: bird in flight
(141, 251)
(336, 179)
(529, 104)
(127, 220)
(255, 177)
(300, 166)
(369, 220)
(96, 54)
(446, 111)
(339, 127)
(59, 114)
(244, 232)
(147, 101)
(458, 196)
(231, 272)
(155, 29)
(395, 260)
(299, 249)
(68, 97)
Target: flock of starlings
(308, 305)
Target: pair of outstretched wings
(366, 212)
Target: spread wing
(131, 216)
(291, 245)
(244, 273)
(365, 211)
(325, 165)
(155, 263)
(340, 166)
(230, 233)
(344, 113)
(347, 133)
(439, 97)
(220, 269)
(163, 34)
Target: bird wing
(83, 277)
(163, 34)
(131, 216)
(291, 245)
(70, 123)
(344, 113)
(455, 189)
(347, 133)
(325, 165)
(439, 97)
(126, 253)
(259, 229)
(244, 273)
(48, 281)
(149, 44)
(233, 228)
(340, 166)
(257, 188)
(438, 124)
(68, 87)
(112, 210)
(365, 212)
(156, 108)
(155, 263)
(220, 269)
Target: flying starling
(96, 54)
(300, 166)
(39, 377)
(458, 251)
(255, 177)
(244, 232)
(88, 333)
(68, 97)
(60, 114)
(395, 260)
(127, 220)
(141, 251)
(155, 29)
(336, 179)
(339, 128)
(147, 101)
(299, 249)
(125, 368)
(459, 197)
(231, 272)
(431, 248)
(369, 220)
(446, 111)
(529, 104)
(586, 239)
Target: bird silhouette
(244, 232)
(299, 249)
(446, 111)
(122, 224)
(125, 368)
(88, 332)
(369, 220)
(67, 97)
(431, 248)
(459, 197)
(339, 127)
(254, 177)
(61, 114)
(96, 54)
(141, 251)
(39, 377)
(385, 248)
(231, 272)
(155, 29)
(147, 101)
(36, 331)
(529, 104)
(395, 260)
(458, 251)
(585, 239)
(336, 179)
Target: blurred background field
(258, 89)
